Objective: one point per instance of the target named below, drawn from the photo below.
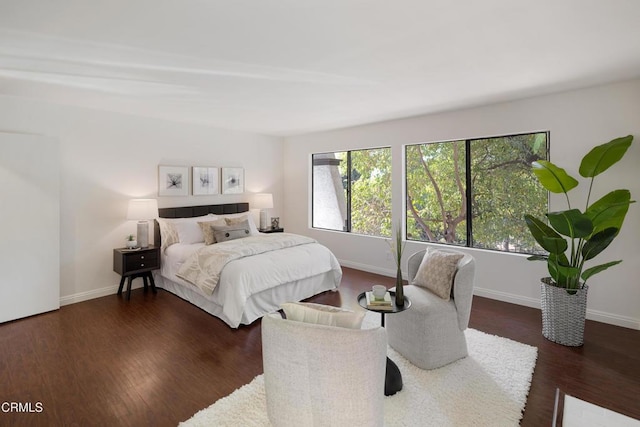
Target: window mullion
(347, 224)
(467, 149)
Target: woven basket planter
(563, 314)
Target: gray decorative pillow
(436, 272)
(231, 232)
(209, 237)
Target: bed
(264, 270)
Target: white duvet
(241, 278)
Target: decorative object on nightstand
(143, 210)
(131, 264)
(272, 230)
(275, 222)
(131, 241)
(263, 201)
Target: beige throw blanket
(203, 268)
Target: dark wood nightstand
(136, 263)
(272, 230)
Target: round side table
(393, 377)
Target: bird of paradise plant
(572, 236)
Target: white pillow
(189, 232)
(436, 272)
(169, 232)
(322, 314)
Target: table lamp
(263, 201)
(143, 210)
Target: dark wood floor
(156, 360)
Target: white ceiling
(284, 67)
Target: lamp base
(143, 234)
(263, 220)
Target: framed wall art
(173, 181)
(232, 180)
(205, 180)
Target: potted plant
(574, 237)
(131, 241)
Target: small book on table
(374, 303)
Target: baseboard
(507, 297)
(598, 316)
(613, 319)
(368, 268)
(95, 293)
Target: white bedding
(261, 282)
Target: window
(352, 191)
(475, 192)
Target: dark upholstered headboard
(192, 211)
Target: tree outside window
(474, 192)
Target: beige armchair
(431, 333)
(318, 375)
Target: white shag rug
(487, 388)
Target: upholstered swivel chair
(319, 375)
(431, 333)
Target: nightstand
(131, 264)
(272, 230)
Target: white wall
(107, 159)
(577, 121)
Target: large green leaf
(597, 269)
(555, 245)
(610, 210)
(557, 264)
(552, 177)
(598, 242)
(602, 157)
(546, 236)
(572, 223)
(564, 276)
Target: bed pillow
(207, 231)
(323, 314)
(189, 232)
(168, 231)
(436, 272)
(233, 219)
(231, 232)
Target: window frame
(468, 188)
(347, 226)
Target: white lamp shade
(142, 209)
(263, 201)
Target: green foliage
(583, 235)
(502, 187)
(370, 191)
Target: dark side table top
(362, 300)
